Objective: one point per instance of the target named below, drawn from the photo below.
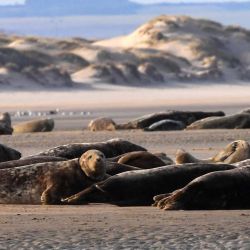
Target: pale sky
(186, 1)
(10, 2)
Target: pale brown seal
(232, 153)
(219, 190)
(48, 183)
(39, 125)
(102, 123)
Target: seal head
(93, 164)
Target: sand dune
(166, 50)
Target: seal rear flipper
(159, 197)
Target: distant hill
(50, 8)
(67, 8)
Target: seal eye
(234, 146)
(89, 157)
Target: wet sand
(109, 227)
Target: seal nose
(98, 159)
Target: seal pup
(5, 124)
(109, 148)
(8, 154)
(219, 190)
(138, 187)
(234, 152)
(48, 183)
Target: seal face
(101, 124)
(93, 164)
(234, 152)
(219, 190)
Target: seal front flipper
(90, 194)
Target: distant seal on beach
(101, 124)
(5, 124)
(40, 125)
(166, 125)
(48, 183)
(29, 161)
(232, 153)
(186, 117)
(110, 148)
(237, 121)
(8, 154)
(219, 190)
(140, 186)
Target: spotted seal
(48, 183)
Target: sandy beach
(101, 226)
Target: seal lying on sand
(29, 161)
(140, 159)
(236, 121)
(221, 190)
(166, 125)
(185, 117)
(49, 183)
(143, 159)
(8, 154)
(110, 149)
(233, 152)
(139, 187)
(41, 125)
(101, 124)
(5, 124)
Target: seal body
(8, 154)
(29, 161)
(237, 121)
(140, 186)
(5, 124)
(219, 190)
(166, 125)
(110, 149)
(48, 183)
(40, 125)
(185, 117)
